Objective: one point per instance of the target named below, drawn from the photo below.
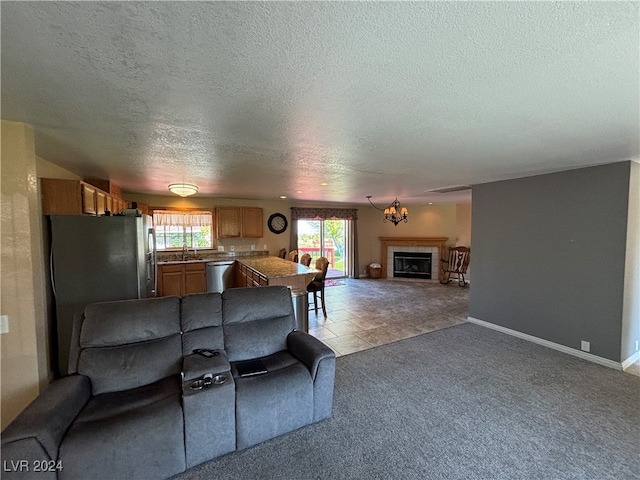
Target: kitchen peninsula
(251, 269)
(260, 271)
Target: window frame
(185, 233)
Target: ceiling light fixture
(183, 189)
(394, 213)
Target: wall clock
(277, 223)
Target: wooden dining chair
(293, 256)
(316, 286)
(283, 253)
(305, 260)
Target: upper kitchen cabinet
(101, 202)
(237, 222)
(75, 197)
(229, 222)
(67, 197)
(252, 222)
(106, 186)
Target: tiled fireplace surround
(434, 245)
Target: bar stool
(316, 286)
(305, 260)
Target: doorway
(325, 238)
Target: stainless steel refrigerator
(97, 259)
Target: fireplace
(412, 265)
(436, 246)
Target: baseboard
(631, 360)
(546, 343)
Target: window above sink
(178, 230)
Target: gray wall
(549, 256)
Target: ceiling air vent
(457, 188)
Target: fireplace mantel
(387, 242)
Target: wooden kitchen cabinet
(106, 186)
(118, 205)
(239, 222)
(248, 277)
(195, 280)
(170, 280)
(181, 279)
(75, 197)
(252, 222)
(144, 209)
(101, 202)
(67, 197)
(229, 222)
(88, 199)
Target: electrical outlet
(232, 248)
(585, 346)
(4, 324)
(221, 248)
(253, 247)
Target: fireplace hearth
(412, 265)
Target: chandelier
(394, 213)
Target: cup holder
(208, 380)
(219, 379)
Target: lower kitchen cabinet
(248, 277)
(195, 278)
(181, 279)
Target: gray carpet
(465, 402)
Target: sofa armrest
(41, 426)
(196, 365)
(309, 350)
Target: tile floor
(367, 313)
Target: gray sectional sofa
(139, 403)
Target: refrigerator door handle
(53, 283)
(154, 267)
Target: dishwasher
(220, 275)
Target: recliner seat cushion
(273, 403)
(137, 433)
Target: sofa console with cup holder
(158, 385)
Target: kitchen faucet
(185, 252)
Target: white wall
(20, 273)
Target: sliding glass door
(325, 238)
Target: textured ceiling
(261, 99)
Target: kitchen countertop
(270, 267)
(274, 267)
(213, 257)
